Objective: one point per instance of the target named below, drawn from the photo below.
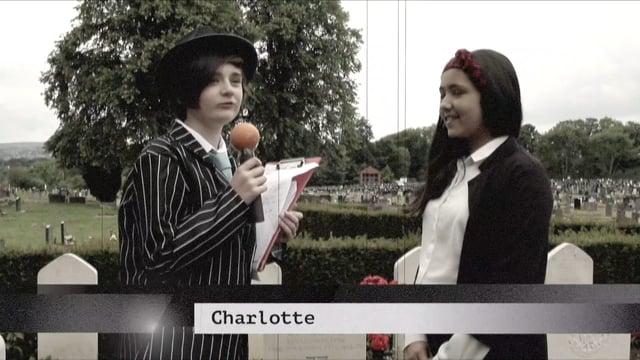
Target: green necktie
(221, 161)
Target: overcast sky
(574, 59)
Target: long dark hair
(495, 78)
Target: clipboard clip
(290, 163)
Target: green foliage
(304, 91)
(20, 346)
(48, 172)
(321, 222)
(21, 178)
(387, 174)
(529, 138)
(100, 79)
(405, 152)
(590, 148)
(83, 221)
(335, 261)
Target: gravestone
(315, 347)
(67, 269)
(296, 347)
(3, 349)
(404, 272)
(568, 264)
(620, 213)
(576, 204)
(608, 210)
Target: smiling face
(220, 101)
(460, 109)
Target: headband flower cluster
(464, 61)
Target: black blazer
(183, 225)
(506, 238)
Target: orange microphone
(244, 139)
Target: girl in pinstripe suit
(183, 218)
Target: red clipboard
(301, 181)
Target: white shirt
(206, 145)
(443, 226)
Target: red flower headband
(464, 61)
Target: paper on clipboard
(285, 182)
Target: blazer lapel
(475, 238)
(184, 137)
(477, 184)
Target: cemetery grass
(25, 230)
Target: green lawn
(26, 229)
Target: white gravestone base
(68, 269)
(568, 264)
(302, 347)
(316, 347)
(3, 349)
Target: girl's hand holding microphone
(249, 180)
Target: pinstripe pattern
(181, 223)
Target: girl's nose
(445, 104)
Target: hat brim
(215, 44)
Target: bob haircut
(495, 78)
(196, 75)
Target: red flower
(379, 342)
(374, 280)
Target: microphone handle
(257, 211)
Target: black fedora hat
(204, 40)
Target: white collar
(206, 145)
(487, 149)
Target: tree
(21, 178)
(304, 93)
(529, 138)
(612, 147)
(387, 174)
(406, 152)
(48, 171)
(563, 148)
(100, 79)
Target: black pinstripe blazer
(182, 224)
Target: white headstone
(404, 272)
(3, 349)
(568, 264)
(316, 347)
(290, 347)
(68, 269)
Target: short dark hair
(196, 75)
(501, 107)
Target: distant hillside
(24, 150)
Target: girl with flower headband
(486, 203)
